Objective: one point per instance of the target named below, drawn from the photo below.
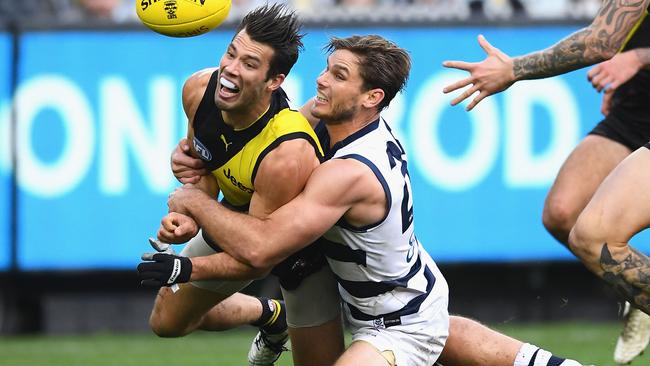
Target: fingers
(607, 102)
(145, 257)
(461, 65)
(594, 72)
(184, 144)
(464, 95)
(191, 180)
(476, 100)
(457, 85)
(485, 45)
(158, 245)
(184, 160)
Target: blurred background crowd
(454, 10)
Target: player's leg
(314, 320)
(589, 163)
(472, 344)
(619, 209)
(210, 305)
(364, 353)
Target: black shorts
(631, 131)
(628, 121)
(647, 146)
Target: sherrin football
(182, 18)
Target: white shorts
(420, 340)
(315, 301)
(198, 247)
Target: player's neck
(241, 119)
(342, 129)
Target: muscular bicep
(282, 175)
(612, 25)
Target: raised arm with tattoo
(595, 43)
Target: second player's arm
(332, 190)
(595, 43)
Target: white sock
(539, 357)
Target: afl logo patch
(201, 150)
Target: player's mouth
(227, 89)
(320, 99)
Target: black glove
(160, 269)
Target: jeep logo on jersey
(235, 182)
(201, 150)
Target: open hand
(490, 76)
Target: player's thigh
(314, 302)
(320, 345)
(582, 172)
(314, 320)
(364, 353)
(620, 207)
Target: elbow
(260, 260)
(602, 49)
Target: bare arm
(332, 190)
(281, 176)
(597, 42)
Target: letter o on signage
(66, 99)
(453, 173)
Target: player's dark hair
(279, 28)
(382, 64)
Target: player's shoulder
(194, 88)
(198, 80)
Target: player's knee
(558, 218)
(164, 326)
(162, 320)
(585, 240)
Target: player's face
(242, 78)
(339, 88)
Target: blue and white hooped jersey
(383, 272)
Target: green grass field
(590, 343)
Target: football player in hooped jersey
(242, 128)
(395, 298)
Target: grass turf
(589, 343)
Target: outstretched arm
(595, 43)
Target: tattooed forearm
(595, 43)
(629, 275)
(566, 55)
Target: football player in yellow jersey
(582, 216)
(260, 154)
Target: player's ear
(373, 97)
(275, 81)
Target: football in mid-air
(182, 18)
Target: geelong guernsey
(383, 272)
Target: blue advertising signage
(101, 112)
(5, 160)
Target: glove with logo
(160, 269)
